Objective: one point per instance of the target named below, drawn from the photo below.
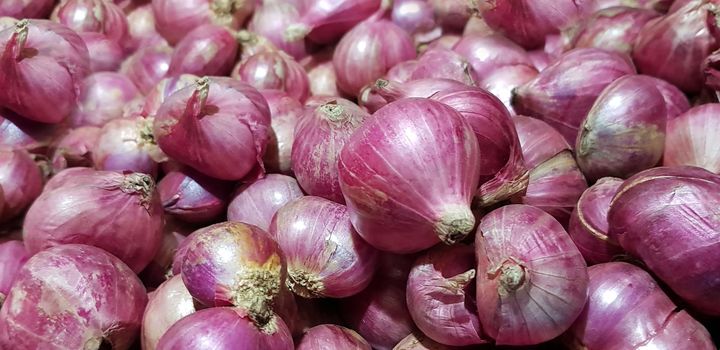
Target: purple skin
(225, 328)
(284, 114)
(13, 256)
(103, 97)
(676, 103)
(74, 149)
(21, 181)
(163, 90)
(191, 54)
(271, 70)
(256, 203)
(147, 66)
(444, 63)
(193, 197)
(485, 53)
(126, 144)
(503, 80)
(168, 304)
(330, 336)
(612, 29)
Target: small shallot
(284, 114)
(147, 66)
(96, 16)
(272, 19)
(21, 182)
(256, 203)
(13, 256)
(26, 9)
(274, 70)
(74, 149)
(325, 21)
(207, 50)
(612, 29)
(163, 90)
(105, 55)
(193, 197)
(176, 18)
(501, 81)
(485, 53)
(127, 144)
(168, 304)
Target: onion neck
(141, 184)
(295, 32)
(199, 97)
(461, 281)
(455, 224)
(224, 10)
(21, 33)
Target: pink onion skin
(18, 132)
(256, 203)
(21, 181)
(330, 336)
(141, 27)
(13, 256)
(163, 90)
(304, 229)
(74, 149)
(26, 9)
(444, 63)
(59, 283)
(324, 22)
(453, 14)
(485, 53)
(207, 50)
(147, 66)
(562, 101)
(439, 296)
(501, 81)
(274, 70)
(415, 16)
(624, 132)
(227, 144)
(61, 57)
(174, 19)
(167, 305)
(401, 72)
(612, 29)
(588, 224)
(539, 141)
(676, 103)
(105, 55)
(540, 59)
(320, 135)
(323, 79)
(192, 197)
(672, 47)
(690, 136)
(392, 206)
(97, 16)
(126, 144)
(129, 227)
(284, 114)
(367, 51)
(662, 205)
(627, 309)
(272, 19)
(159, 269)
(225, 328)
(531, 281)
(103, 97)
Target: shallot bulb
(284, 114)
(13, 256)
(18, 132)
(417, 17)
(612, 29)
(207, 50)
(176, 18)
(21, 182)
(73, 296)
(43, 86)
(120, 213)
(164, 88)
(325, 256)
(325, 21)
(127, 144)
(531, 279)
(96, 16)
(487, 52)
(501, 81)
(444, 63)
(272, 19)
(319, 137)
(147, 66)
(193, 197)
(256, 203)
(323, 79)
(408, 175)
(676, 103)
(330, 336)
(219, 127)
(141, 28)
(274, 70)
(74, 149)
(26, 9)
(691, 138)
(105, 55)
(168, 304)
(103, 97)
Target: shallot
(168, 304)
(284, 114)
(147, 66)
(174, 19)
(127, 144)
(102, 99)
(330, 336)
(326, 21)
(206, 50)
(13, 256)
(274, 70)
(193, 197)
(21, 182)
(256, 203)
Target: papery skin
(676, 103)
(97, 16)
(439, 296)
(26, 9)
(386, 168)
(129, 225)
(330, 336)
(18, 132)
(444, 63)
(320, 135)
(61, 57)
(74, 148)
(125, 144)
(415, 16)
(272, 19)
(284, 114)
(207, 50)
(13, 256)
(106, 55)
(225, 328)
(103, 97)
(325, 256)
(627, 309)
(176, 18)
(141, 27)
(163, 89)
(453, 14)
(168, 304)
(624, 131)
(558, 95)
(691, 138)
(256, 203)
(501, 82)
(588, 223)
(21, 182)
(72, 296)
(193, 197)
(147, 66)
(401, 72)
(323, 22)
(485, 53)
(274, 70)
(667, 217)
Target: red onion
(26, 9)
(18, 132)
(105, 55)
(103, 97)
(418, 341)
(74, 148)
(225, 328)
(59, 56)
(219, 127)
(271, 21)
(440, 296)
(627, 309)
(12, 257)
(665, 216)
(147, 66)
(319, 137)
(141, 27)
(691, 138)
(96, 16)
(164, 89)
(487, 52)
(159, 269)
(21, 182)
(657, 5)
(378, 94)
(562, 100)
(323, 79)
(367, 51)
(274, 70)
(612, 29)
(674, 46)
(193, 197)
(167, 305)
(72, 296)
(174, 19)
(501, 81)
(127, 144)
(415, 16)
(330, 336)
(676, 103)
(113, 211)
(325, 256)
(531, 280)
(284, 114)
(207, 50)
(257, 202)
(402, 203)
(588, 224)
(444, 63)
(326, 21)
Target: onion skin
(18, 132)
(676, 103)
(13, 256)
(323, 79)
(176, 18)
(532, 280)
(284, 114)
(612, 29)
(147, 66)
(390, 205)
(665, 216)
(562, 101)
(330, 336)
(453, 14)
(74, 149)
(192, 197)
(325, 256)
(415, 16)
(320, 135)
(272, 19)
(439, 296)
(627, 309)
(444, 63)
(126, 144)
(105, 55)
(58, 284)
(141, 27)
(501, 82)
(657, 5)
(256, 203)
(218, 127)
(487, 52)
(206, 50)
(26, 9)
(367, 51)
(21, 182)
(129, 225)
(160, 268)
(419, 341)
(274, 70)
(60, 57)
(103, 97)
(96, 16)
(167, 305)
(324, 22)
(589, 226)
(163, 90)
(225, 328)
(690, 136)
(624, 132)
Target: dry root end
(139, 183)
(305, 284)
(255, 291)
(381, 83)
(455, 224)
(224, 11)
(295, 32)
(333, 111)
(460, 281)
(512, 277)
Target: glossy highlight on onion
(206, 50)
(168, 304)
(274, 70)
(256, 203)
(612, 29)
(147, 66)
(96, 16)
